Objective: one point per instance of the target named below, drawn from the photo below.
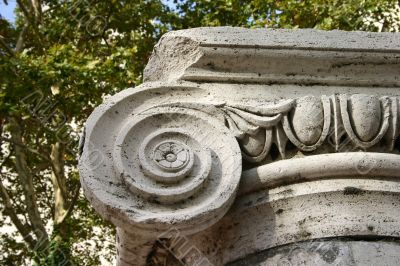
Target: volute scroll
(176, 167)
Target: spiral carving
(173, 165)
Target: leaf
(242, 124)
(261, 121)
(268, 110)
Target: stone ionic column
(253, 147)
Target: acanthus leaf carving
(259, 123)
(242, 124)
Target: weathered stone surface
(248, 142)
(329, 252)
(277, 56)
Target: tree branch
(21, 38)
(37, 7)
(71, 204)
(22, 145)
(58, 177)
(26, 180)
(30, 19)
(24, 10)
(23, 229)
(6, 47)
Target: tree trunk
(26, 179)
(60, 249)
(59, 182)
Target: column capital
(228, 114)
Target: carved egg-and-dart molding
(310, 122)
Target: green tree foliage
(319, 14)
(61, 58)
